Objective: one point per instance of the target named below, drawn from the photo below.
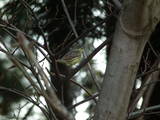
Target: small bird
(72, 57)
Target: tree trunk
(136, 22)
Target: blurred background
(46, 19)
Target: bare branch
(84, 52)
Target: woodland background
(52, 28)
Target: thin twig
(51, 97)
(148, 79)
(148, 72)
(36, 18)
(28, 112)
(26, 97)
(77, 36)
(137, 113)
(155, 53)
(12, 27)
(20, 66)
(81, 36)
(83, 101)
(82, 87)
(85, 61)
(69, 18)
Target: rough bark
(136, 22)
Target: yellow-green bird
(72, 57)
